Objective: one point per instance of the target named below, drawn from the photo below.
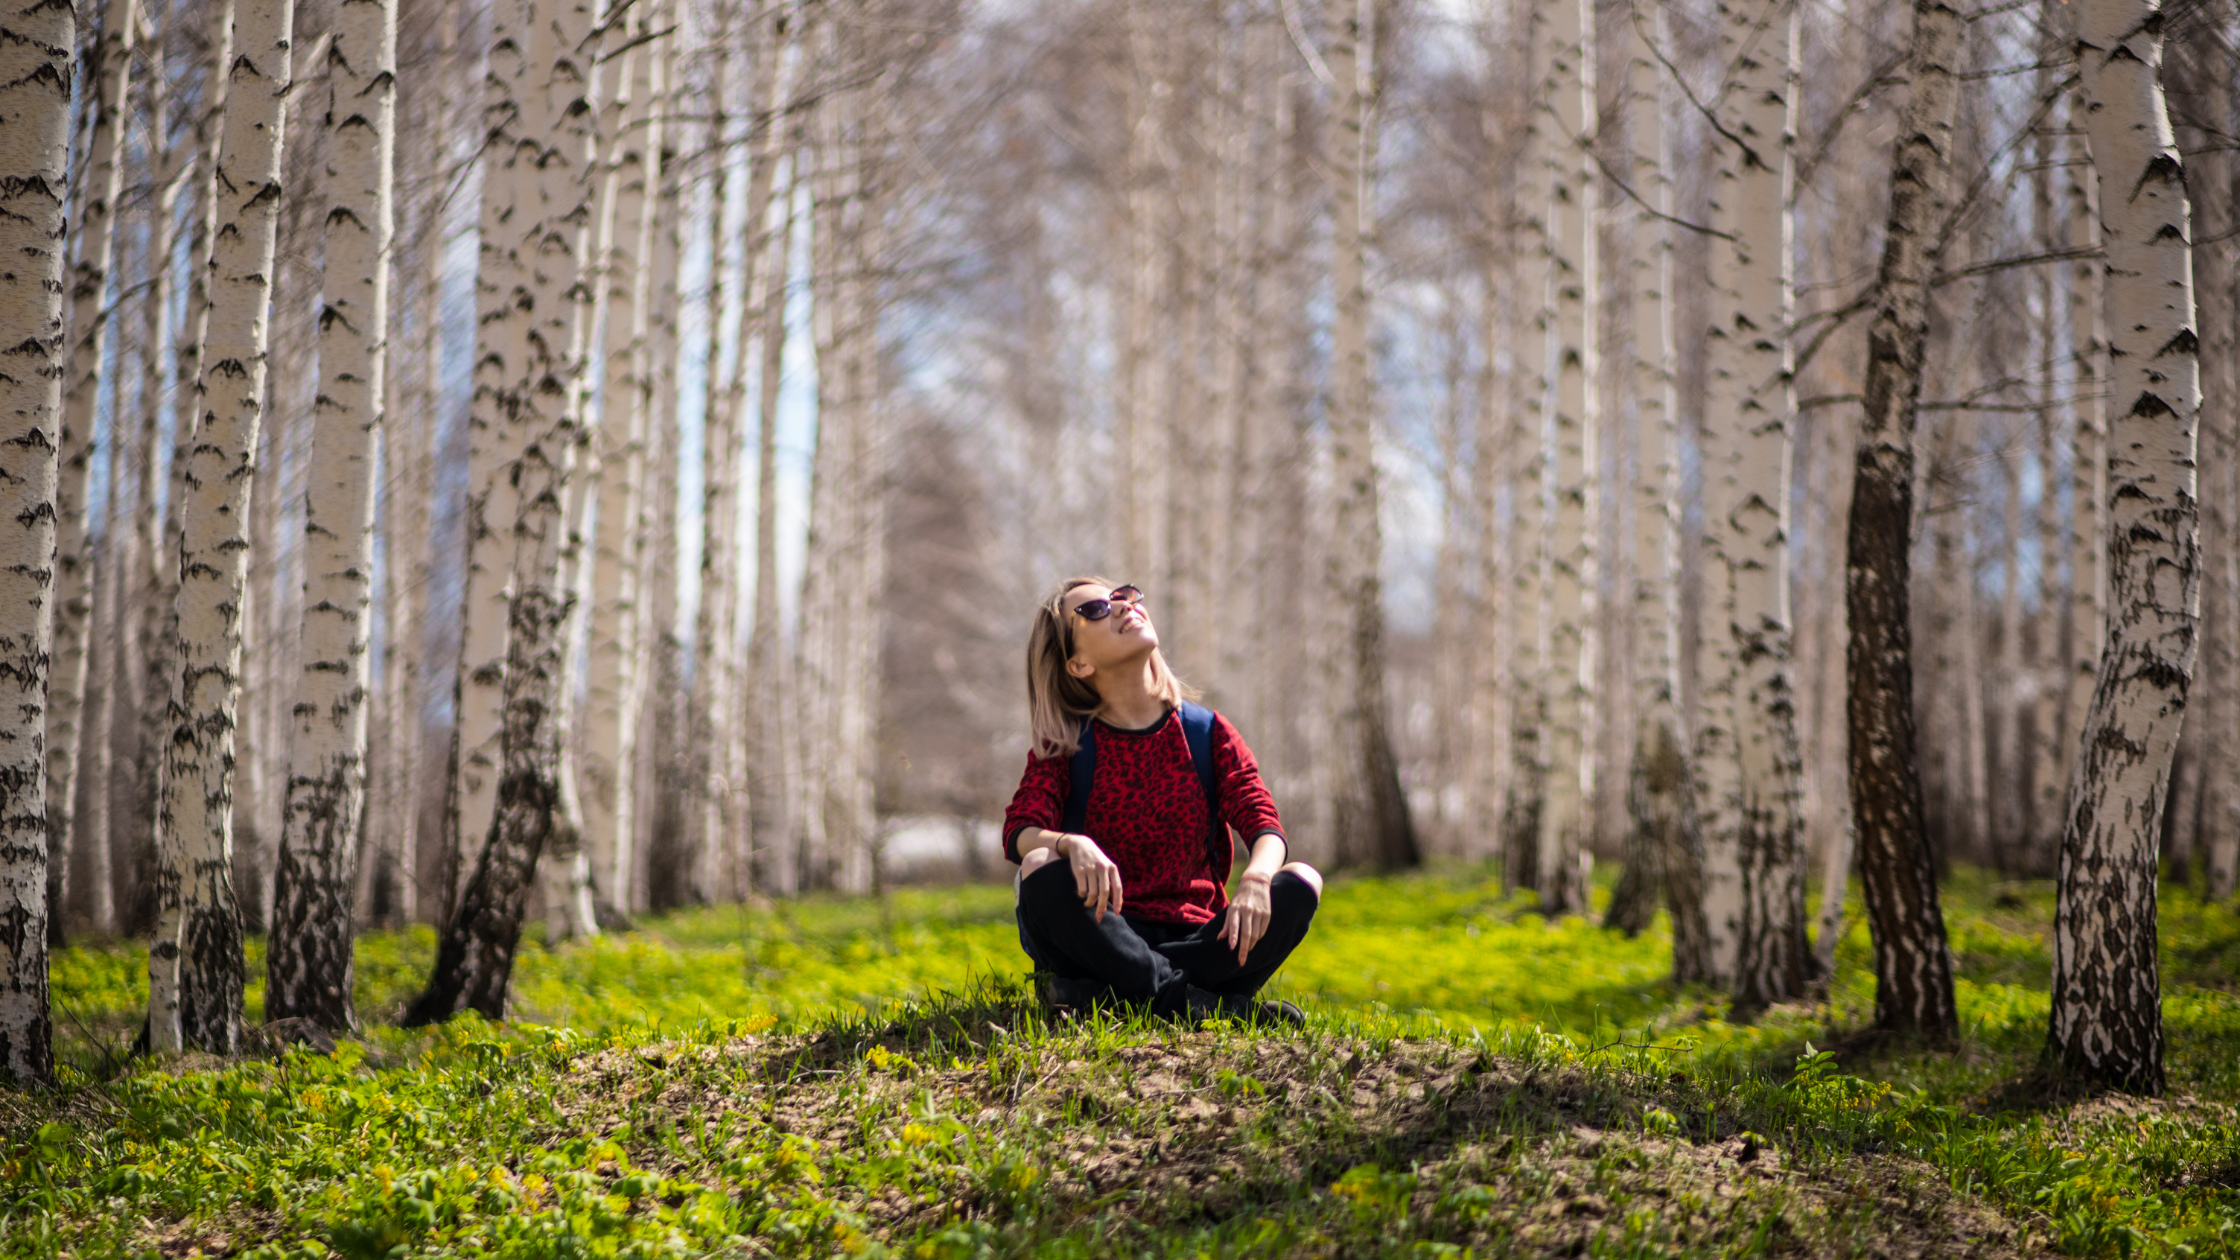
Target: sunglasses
(1099, 609)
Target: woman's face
(1123, 637)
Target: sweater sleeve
(1245, 803)
(1039, 802)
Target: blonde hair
(1058, 704)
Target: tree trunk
(503, 311)
(474, 959)
(618, 617)
(1913, 967)
(1530, 677)
(2088, 484)
(37, 46)
(309, 960)
(199, 1004)
(2106, 1021)
(1369, 811)
(712, 664)
(1665, 839)
(1762, 828)
(764, 713)
(109, 72)
(1573, 201)
(2199, 74)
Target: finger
(1112, 888)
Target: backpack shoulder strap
(1083, 770)
(1197, 729)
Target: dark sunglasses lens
(1095, 609)
(1128, 595)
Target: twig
(2073, 254)
(1306, 50)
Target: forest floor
(869, 1077)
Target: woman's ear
(1079, 668)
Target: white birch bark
(1762, 825)
(1145, 499)
(1369, 812)
(501, 355)
(37, 49)
(201, 943)
(309, 961)
(1574, 202)
(776, 859)
(1657, 790)
(1530, 675)
(2087, 609)
(611, 735)
(109, 71)
(2106, 1021)
(712, 660)
(474, 959)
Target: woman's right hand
(1095, 876)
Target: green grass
(867, 1076)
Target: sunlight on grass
(456, 1139)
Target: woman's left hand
(1248, 916)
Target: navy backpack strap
(1197, 730)
(1084, 776)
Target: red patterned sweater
(1148, 813)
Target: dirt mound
(1377, 1144)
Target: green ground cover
(867, 1077)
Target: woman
(1121, 885)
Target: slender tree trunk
(1913, 967)
(1369, 811)
(1530, 679)
(1665, 838)
(201, 943)
(37, 48)
(2088, 485)
(1573, 202)
(108, 72)
(2042, 817)
(712, 665)
(2106, 1021)
(474, 958)
(2200, 76)
(1145, 499)
(309, 961)
(503, 311)
(1763, 827)
(764, 656)
(610, 743)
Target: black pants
(1145, 960)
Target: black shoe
(1065, 994)
(1199, 1004)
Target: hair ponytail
(1058, 703)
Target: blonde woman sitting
(1121, 828)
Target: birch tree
(503, 308)
(1664, 839)
(474, 958)
(1752, 820)
(1573, 201)
(1913, 967)
(196, 966)
(2106, 1022)
(309, 960)
(1369, 812)
(618, 615)
(37, 50)
(109, 74)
